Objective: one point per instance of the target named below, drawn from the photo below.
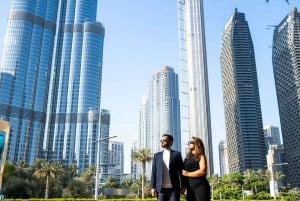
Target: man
(166, 180)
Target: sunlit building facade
(197, 89)
(243, 118)
(272, 135)
(116, 160)
(104, 146)
(50, 80)
(286, 67)
(24, 75)
(164, 108)
(134, 166)
(223, 158)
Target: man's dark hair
(170, 137)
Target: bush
(262, 196)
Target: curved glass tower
(25, 73)
(199, 123)
(50, 80)
(74, 105)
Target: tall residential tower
(160, 113)
(286, 66)
(164, 108)
(243, 119)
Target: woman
(194, 170)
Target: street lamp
(97, 165)
(273, 183)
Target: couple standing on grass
(172, 176)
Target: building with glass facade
(272, 135)
(104, 145)
(223, 158)
(164, 108)
(25, 74)
(50, 80)
(286, 67)
(194, 44)
(159, 114)
(116, 160)
(134, 166)
(243, 119)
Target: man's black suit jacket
(175, 170)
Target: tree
(9, 171)
(88, 176)
(143, 155)
(76, 189)
(249, 179)
(287, 1)
(22, 169)
(47, 171)
(16, 187)
(127, 182)
(233, 179)
(278, 176)
(262, 180)
(214, 181)
(111, 182)
(72, 170)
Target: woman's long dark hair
(199, 149)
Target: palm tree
(214, 181)
(287, 1)
(143, 155)
(72, 170)
(22, 169)
(48, 170)
(233, 179)
(127, 182)
(111, 182)
(250, 178)
(278, 176)
(262, 179)
(88, 176)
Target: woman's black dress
(198, 188)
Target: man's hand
(153, 192)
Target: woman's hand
(185, 173)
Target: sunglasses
(163, 140)
(191, 142)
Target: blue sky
(141, 36)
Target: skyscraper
(272, 135)
(143, 137)
(50, 81)
(134, 169)
(160, 113)
(164, 108)
(223, 158)
(243, 119)
(286, 66)
(116, 160)
(75, 82)
(25, 73)
(194, 44)
(104, 145)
